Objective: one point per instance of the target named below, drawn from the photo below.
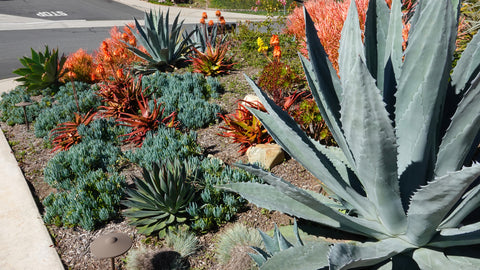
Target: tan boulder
(268, 155)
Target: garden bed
(72, 244)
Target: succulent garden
(375, 103)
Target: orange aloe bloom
(274, 41)
(218, 13)
(125, 36)
(104, 46)
(119, 73)
(204, 15)
(222, 21)
(202, 20)
(210, 23)
(277, 53)
(132, 42)
(100, 70)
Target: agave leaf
(294, 201)
(451, 237)
(376, 31)
(433, 202)
(467, 67)
(147, 214)
(421, 92)
(142, 38)
(326, 88)
(470, 202)
(371, 138)
(295, 142)
(351, 45)
(432, 259)
(351, 255)
(393, 44)
(310, 256)
(460, 135)
(259, 258)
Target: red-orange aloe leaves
(294, 97)
(328, 16)
(149, 119)
(213, 61)
(80, 67)
(244, 128)
(120, 95)
(66, 134)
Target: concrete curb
(25, 242)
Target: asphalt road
(15, 44)
(69, 9)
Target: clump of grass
(235, 242)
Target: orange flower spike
(104, 47)
(132, 42)
(202, 20)
(204, 15)
(119, 73)
(218, 13)
(210, 23)
(274, 41)
(277, 53)
(222, 20)
(107, 58)
(125, 36)
(100, 70)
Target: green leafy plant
(165, 45)
(214, 206)
(161, 197)
(244, 127)
(12, 115)
(279, 79)
(42, 70)
(406, 130)
(307, 115)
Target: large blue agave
(406, 125)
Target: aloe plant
(42, 70)
(406, 125)
(167, 46)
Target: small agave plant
(406, 125)
(161, 198)
(167, 46)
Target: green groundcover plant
(406, 125)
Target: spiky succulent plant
(161, 197)
(406, 125)
(166, 45)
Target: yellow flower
(261, 45)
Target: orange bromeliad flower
(218, 13)
(204, 15)
(274, 41)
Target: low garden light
(24, 105)
(110, 246)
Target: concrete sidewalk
(25, 243)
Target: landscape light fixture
(24, 104)
(110, 246)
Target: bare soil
(73, 244)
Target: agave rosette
(406, 125)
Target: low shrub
(214, 206)
(89, 188)
(165, 143)
(13, 115)
(238, 235)
(65, 106)
(188, 95)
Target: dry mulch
(72, 244)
